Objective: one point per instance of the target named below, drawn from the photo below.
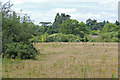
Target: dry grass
(68, 60)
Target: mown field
(67, 60)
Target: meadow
(66, 60)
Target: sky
(81, 10)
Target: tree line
(65, 29)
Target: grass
(67, 60)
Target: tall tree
(117, 23)
(109, 27)
(58, 20)
(68, 26)
(91, 24)
(16, 34)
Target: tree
(68, 26)
(83, 29)
(45, 27)
(16, 34)
(117, 23)
(58, 21)
(109, 27)
(45, 23)
(91, 24)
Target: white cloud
(17, 2)
(75, 14)
(110, 3)
(63, 10)
(100, 17)
(49, 15)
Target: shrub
(63, 38)
(36, 39)
(95, 32)
(22, 50)
(72, 38)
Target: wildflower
(112, 71)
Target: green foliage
(117, 23)
(74, 27)
(95, 32)
(105, 37)
(83, 30)
(57, 37)
(72, 38)
(24, 51)
(94, 25)
(63, 38)
(68, 26)
(92, 31)
(45, 28)
(44, 37)
(92, 39)
(109, 27)
(16, 32)
(109, 33)
(58, 21)
(91, 24)
(36, 39)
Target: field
(67, 60)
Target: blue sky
(81, 10)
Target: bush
(94, 32)
(109, 37)
(63, 38)
(58, 37)
(36, 39)
(72, 38)
(90, 38)
(22, 50)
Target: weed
(54, 64)
(112, 74)
(100, 69)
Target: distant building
(95, 36)
(119, 11)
